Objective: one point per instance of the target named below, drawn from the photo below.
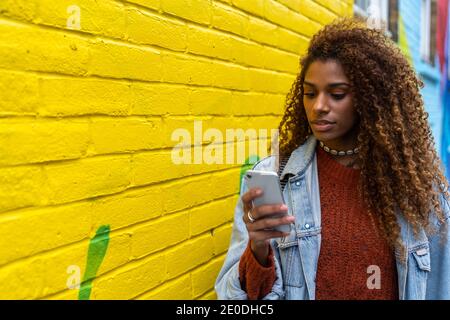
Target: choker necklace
(338, 153)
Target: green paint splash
(96, 252)
(403, 41)
(248, 164)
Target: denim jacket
(423, 274)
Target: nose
(321, 104)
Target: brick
(37, 230)
(27, 47)
(22, 187)
(39, 275)
(255, 7)
(104, 17)
(292, 4)
(226, 1)
(228, 19)
(187, 256)
(118, 253)
(228, 182)
(146, 28)
(292, 41)
(87, 178)
(151, 4)
(187, 193)
(274, 11)
(117, 60)
(209, 43)
(339, 7)
(262, 31)
(317, 12)
(268, 81)
(69, 294)
(222, 238)
(194, 191)
(61, 139)
(231, 129)
(251, 54)
(19, 93)
(187, 70)
(18, 9)
(203, 278)
(57, 262)
(127, 208)
(194, 10)
(111, 135)
(210, 295)
(159, 99)
(151, 167)
(230, 76)
(159, 234)
(281, 15)
(210, 215)
(47, 274)
(131, 280)
(210, 101)
(281, 61)
(177, 289)
(72, 96)
(244, 103)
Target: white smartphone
(269, 182)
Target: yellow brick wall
(90, 93)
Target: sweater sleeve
(256, 280)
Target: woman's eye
(338, 96)
(307, 94)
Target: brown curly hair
(398, 162)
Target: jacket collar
(300, 158)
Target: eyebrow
(331, 85)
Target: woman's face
(327, 97)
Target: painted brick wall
(411, 15)
(90, 94)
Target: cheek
(348, 114)
(307, 107)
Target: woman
(363, 184)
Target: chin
(324, 136)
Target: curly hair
(398, 162)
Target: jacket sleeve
(438, 281)
(227, 284)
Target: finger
(267, 210)
(250, 195)
(269, 223)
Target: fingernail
(258, 191)
(283, 207)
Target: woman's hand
(265, 218)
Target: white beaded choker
(338, 153)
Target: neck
(347, 142)
(348, 160)
(341, 145)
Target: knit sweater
(355, 261)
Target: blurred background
(95, 96)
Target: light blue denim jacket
(425, 275)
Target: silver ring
(250, 217)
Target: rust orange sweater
(353, 251)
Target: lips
(322, 122)
(322, 125)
